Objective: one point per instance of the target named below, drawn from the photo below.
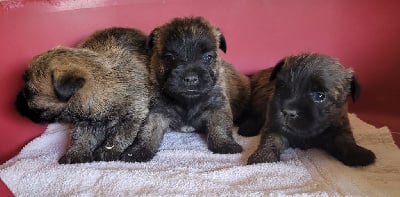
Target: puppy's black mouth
(308, 133)
(288, 129)
(191, 93)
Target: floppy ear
(222, 43)
(276, 69)
(66, 84)
(355, 88)
(150, 40)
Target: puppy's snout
(290, 114)
(191, 78)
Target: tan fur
(100, 88)
(237, 88)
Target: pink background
(362, 34)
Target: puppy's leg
(148, 140)
(219, 133)
(85, 139)
(344, 148)
(270, 148)
(119, 137)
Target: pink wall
(362, 34)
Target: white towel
(185, 167)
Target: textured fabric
(184, 166)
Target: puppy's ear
(222, 43)
(150, 39)
(66, 84)
(276, 69)
(355, 88)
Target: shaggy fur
(308, 109)
(100, 88)
(197, 91)
(254, 114)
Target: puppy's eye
(318, 97)
(208, 58)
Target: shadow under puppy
(197, 90)
(100, 88)
(308, 108)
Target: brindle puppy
(308, 108)
(100, 88)
(197, 90)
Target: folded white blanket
(185, 167)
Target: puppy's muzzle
(289, 114)
(191, 79)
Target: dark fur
(254, 114)
(100, 88)
(196, 89)
(308, 109)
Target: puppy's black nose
(290, 114)
(191, 79)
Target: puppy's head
(185, 52)
(51, 81)
(310, 95)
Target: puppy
(100, 88)
(197, 90)
(308, 109)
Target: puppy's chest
(186, 116)
(189, 119)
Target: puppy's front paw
(137, 155)
(357, 156)
(263, 157)
(225, 148)
(106, 153)
(70, 158)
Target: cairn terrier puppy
(101, 89)
(307, 108)
(197, 90)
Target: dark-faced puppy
(100, 88)
(196, 89)
(308, 109)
